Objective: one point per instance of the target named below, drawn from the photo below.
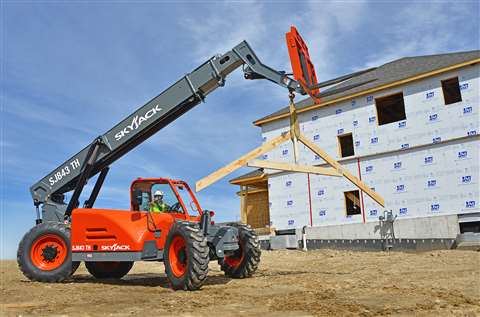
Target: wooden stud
(294, 130)
(294, 167)
(340, 169)
(233, 166)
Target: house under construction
(410, 132)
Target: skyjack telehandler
(185, 238)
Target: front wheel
(244, 262)
(186, 257)
(44, 253)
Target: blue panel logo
(340, 131)
(402, 124)
(430, 94)
(317, 157)
(284, 152)
(462, 154)
(435, 207)
(369, 98)
(466, 179)
(397, 165)
(400, 188)
(374, 140)
(464, 86)
(353, 102)
(436, 139)
(264, 156)
(405, 146)
(264, 139)
(371, 119)
(289, 202)
(403, 211)
(357, 143)
(433, 117)
(467, 110)
(321, 192)
(428, 160)
(314, 118)
(316, 137)
(470, 204)
(432, 183)
(338, 111)
(369, 169)
(291, 222)
(288, 183)
(322, 213)
(355, 123)
(373, 212)
(472, 132)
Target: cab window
(169, 197)
(187, 200)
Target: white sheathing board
(328, 201)
(436, 180)
(428, 120)
(288, 200)
(417, 164)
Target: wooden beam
(233, 166)
(353, 198)
(294, 167)
(294, 130)
(340, 169)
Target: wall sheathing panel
(426, 165)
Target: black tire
(103, 270)
(186, 269)
(245, 261)
(34, 271)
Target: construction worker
(157, 205)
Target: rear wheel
(186, 257)
(244, 262)
(44, 253)
(102, 270)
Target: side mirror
(137, 198)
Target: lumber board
(329, 171)
(233, 166)
(340, 169)
(294, 130)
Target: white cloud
(424, 28)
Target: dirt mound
(288, 283)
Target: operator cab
(177, 196)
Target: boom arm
(146, 121)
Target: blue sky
(70, 71)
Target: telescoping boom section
(169, 105)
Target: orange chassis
(132, 235)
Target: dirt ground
(288, 283)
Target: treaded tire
(193, 257)
(245, 260)
(102, 270)
(27, 265)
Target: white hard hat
(158, 193)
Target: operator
(157, 205)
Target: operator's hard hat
(158, 193)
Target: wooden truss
(249, 159)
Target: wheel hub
(182, 256)
(49, 253)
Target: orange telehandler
(184, 236)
